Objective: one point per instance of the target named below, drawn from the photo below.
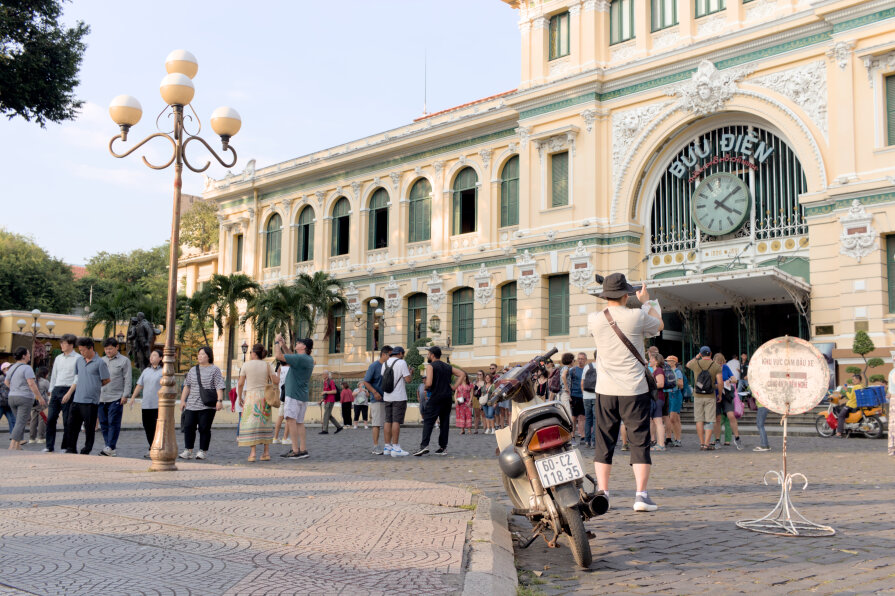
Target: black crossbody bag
(650, 379)
(209, 397)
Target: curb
(492, 565)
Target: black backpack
(704, 381)
(590, 378)
(554, 384)
(670, 379)
(388, 378)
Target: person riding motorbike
(851, 404)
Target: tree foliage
(146, 270)
(324, 293)
(30, 278)
(415, 360)
(39, 61)
(199, 226)
(225, 291)
(281, 309)
(862, 346)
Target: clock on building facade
(720, 204)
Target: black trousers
(437, 409)
(346, 413)
(609, 413)
(201, 419)
(56, 406)
(150, 417)
(360, 411)
(81, 414)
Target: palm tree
(110, 309)
(281, 309)
(322, 293)
(224, 292)
(193, 314)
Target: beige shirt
(618, 371)
(256, 373)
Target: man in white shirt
(62, 377)
(622, 390)
(395, 402)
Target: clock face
(720, 204)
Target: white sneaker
(387, 450)
(40, 441)
(366, 427)
(45, 450)
(186, 454)
(201, 455)
(107, 451)
(399, 452)
(376, 451)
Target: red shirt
(329, 385)
(347, 396)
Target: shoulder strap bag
(271, 392)
(209, 397)
(650, 379)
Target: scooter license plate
(559, 469)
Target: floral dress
(464, 411)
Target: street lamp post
(378, 323)
(35, 330)
(177, 92)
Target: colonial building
(737, 154)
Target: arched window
(420, 211)
(337, 330)
(508, 312)
(378, 237)
(341, 227)
(509, 193)
(416, 318)
(465, 200)
(462, 317)
(374, 333)
(305, 235)
(274, 241)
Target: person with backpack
(675, 397)
(589, 399)
(394, 393)
(707, 377)
(23, 392)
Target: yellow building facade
(738, 155)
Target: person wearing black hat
(623, 394)
(438, 407)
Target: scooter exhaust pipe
(597, 505)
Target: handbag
(738, 408)
(650, 379)
(209, 397)
(271, 392)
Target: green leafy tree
(280, 309)
(146, 270)
(113, 308)
(322, 293)
(199, 226)
(225, 291)
(39, 61)
(30, 278)
(862, 346)
(194, 326)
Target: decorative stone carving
(556, 143)
(355, 189)
(484, 289)
(524, 133)
(665, 38)
(551, 235)
(418, 171)
(321, 196)
(435, 295)
(858, 238)
(251, 211)
(339, 190)
(760, 10)
(805, 86)
(351, 295)
(527, 277)
(625, 128)
(392, 296)
(623, 51)
(589, 116)
(396, 180)
(485, 154)
(582, 272)
(711, 25)
(709, 89)
(512, 147)
(249, 172)
(875, 63)
(377, 181)
(438, 165)
(840, 53)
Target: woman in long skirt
(256, 424)
(463, 393)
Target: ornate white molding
(709, 89)
(438, 166)
(396, 181)
(484, 289)
(711, 25)
(485, 155)
(540, 23)
(760, 10)
(351, 294)
(876, 63)
(249, 172)
(435, 295)
(840, 52)
(582, 272)
(392, 296)
(806, 86)
(665, 38)
(321, 196)
(355, 189)
(524, 133)
(625, 128)
(589, 116)
(527, 278)
(623, 51)
(858, 238)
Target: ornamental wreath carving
(582, 272)
(436, 293)
(392, 296)
(709, 90)
(528, 277)
(484, 289)
(858, 238)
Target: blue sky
(303, 75)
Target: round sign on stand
(789, 376)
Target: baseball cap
(4, 366)
(397, 350)
(435, 351)
(705, 351)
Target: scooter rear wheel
(577, 536)
(874, 428)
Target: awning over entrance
(767, 285)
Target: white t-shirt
(400, 370)
(618, 371)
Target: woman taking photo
(23, 391)
(256, 424)
(202, 397)
(149, 383)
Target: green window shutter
(509, 193)
(890, 108)
(559, 163)
(558, 305)
(663, 14)
(273, 241)
(707, 7)
(340, 210)
(416, 318)
(621, 21)
(310, 234)
(462, 317)
(890, 271)
(336, 336)
(508, 313)
(239, 248)
(420, 211)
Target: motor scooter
(541, 471)
(868, 420)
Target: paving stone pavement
(690, 545)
